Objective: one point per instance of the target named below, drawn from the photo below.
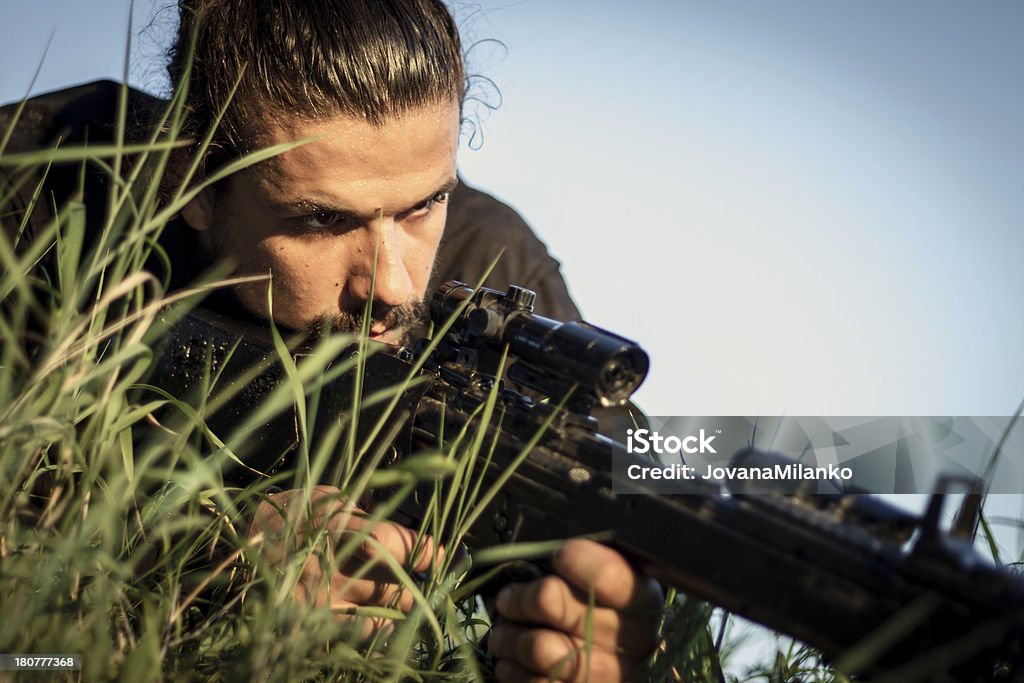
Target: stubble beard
(401, 320)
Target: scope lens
(619, 378)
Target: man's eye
(321, 220)
(425, 207)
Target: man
(358, 214)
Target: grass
(120, 538)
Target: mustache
(405, 316)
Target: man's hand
(326, 582)
(545, 626)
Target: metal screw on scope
(520, 298)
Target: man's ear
(199, 212)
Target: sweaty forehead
(351, 161)
(350, 146)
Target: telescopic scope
(603, 364)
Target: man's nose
(391, 286)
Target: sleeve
(18, 186)
(481, 229)
(67, 117)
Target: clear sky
(797, 207)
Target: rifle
(842, 572)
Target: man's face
(319, 215)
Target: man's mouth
(387, 325)
(378, 331)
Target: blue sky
(798, 207)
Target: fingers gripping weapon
(848, 574)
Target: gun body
(828, 569)
(832, 570)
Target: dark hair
(370, 59)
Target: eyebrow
(307, 205)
